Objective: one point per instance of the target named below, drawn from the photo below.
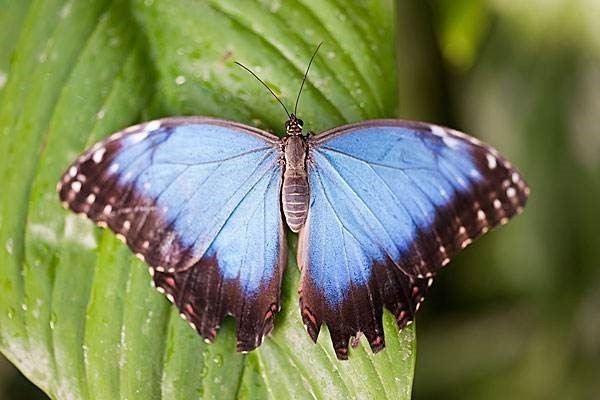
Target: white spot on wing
(138, 137)
(76, 186)
(73, 172)
(481, 215)
(492, 163)
(511, 192)
(515, 177)
(98, 155)
(451, 142)
(438, 131)
(497, 204)
(152, 126)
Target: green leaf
(77, 313)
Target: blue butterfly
(380, 206)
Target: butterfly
(380, 207)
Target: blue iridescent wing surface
(391, 203)
(198, 200)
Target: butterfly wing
(391, 203)
(198, 200)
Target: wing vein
(416, 185)
(221, 160)
(374, 162)
(236, 205)
(391, 192)
(376, 218)
(400, 268)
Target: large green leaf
(77, 313)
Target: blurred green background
(518, 314)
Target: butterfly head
(294, 125)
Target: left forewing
(198, 200)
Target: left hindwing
(391, 203)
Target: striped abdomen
(294, 197)
(295, 194)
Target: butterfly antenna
(265, 85)
(305, 76)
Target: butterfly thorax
(294, 193)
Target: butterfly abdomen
(295, 193)
(295, 201)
